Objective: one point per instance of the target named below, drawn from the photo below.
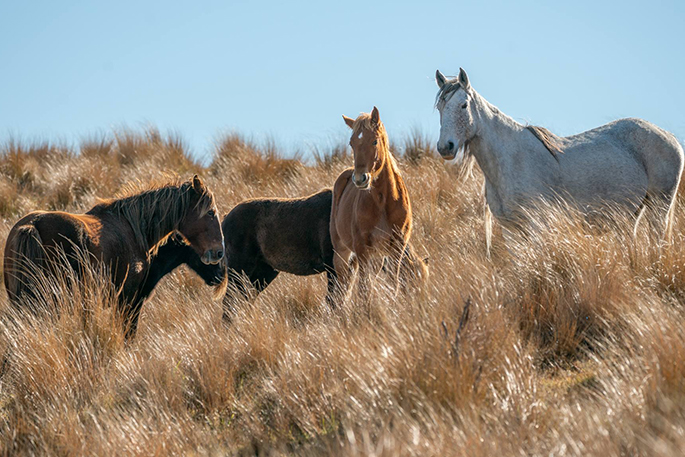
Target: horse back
(290, 235)
(639, 157)
(66, 231)
(657, 149)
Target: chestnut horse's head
(201, 225)
(370, 147)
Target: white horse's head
(457, 126)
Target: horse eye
(211, 213)
(375, 142)
(464, 105)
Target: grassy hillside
(574, 343)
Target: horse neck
(168, 257)
(498, 140)
(154, 214)
(387, 178)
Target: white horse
(628, 162)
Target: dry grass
(574, 345)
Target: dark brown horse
(171, 255)
(122, 234)
(266, 236)
(371, 213)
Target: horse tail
(670, 214)
(26, 248)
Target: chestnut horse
(371, 211)
(122, 234)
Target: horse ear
(348, 120)
(375, 116)
(464, 79)
(440, 79)
(198, 185)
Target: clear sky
(288, 70)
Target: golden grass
(574, 343)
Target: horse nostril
(219, 254)
(450, 146)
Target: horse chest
(382, 230)
(495, 202)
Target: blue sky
(289, 70)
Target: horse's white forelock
(446, 92)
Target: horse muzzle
(212, 256)
(447, 150)
(450, 151)
(362, 181)
(219, 276)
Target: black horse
(169, 256)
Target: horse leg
(259, 278)
(130, 313)
(339, 284)
(236, 283)
(364, 286)
(262, 277)
(398, 259)
(413, 270)
(332, 281)
(239, 264)
(364, 268)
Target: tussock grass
(574, 342)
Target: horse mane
(549, 140)
(151, 212)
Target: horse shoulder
(403, 209)
(112, 240)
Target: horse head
(201, 226)
(369, 144)
(455, 102)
